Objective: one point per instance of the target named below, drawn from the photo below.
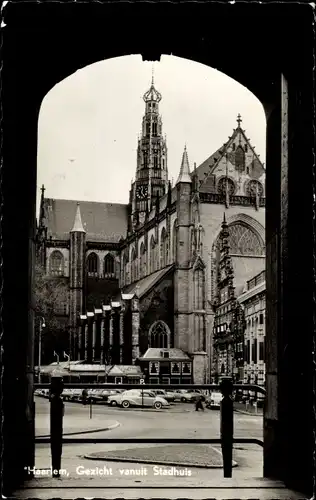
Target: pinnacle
(184, 175)
(78, 227)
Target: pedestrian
(84, 396)
(199, 403)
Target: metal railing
(226, 440)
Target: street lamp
(41, 326)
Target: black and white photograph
(157, 332)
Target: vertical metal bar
(56, 424)
(227, 425)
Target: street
(120, 476)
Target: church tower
(151, 173)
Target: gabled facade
(144, 275)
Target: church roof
(206, 168)
(124, 370)
(146, 284)
(154, 353)
(101, 221)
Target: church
(143, 280)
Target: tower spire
(78, 227)
(42, 211)
(184, 175)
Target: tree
(51, 299)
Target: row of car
(156, 398)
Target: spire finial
(152, 75)
(43, 190)
(184, 175)
(78, 227)
(239, 120)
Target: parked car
(214, 400)
(185, 396)
(138, 398)
(66, 394)
(167, 395)
(75, 395)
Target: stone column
(79, 342)
(86, 341)
(135, 329)
(121, 313)
(102, 341)
(111, 330)
(199, 367)
(94, 338)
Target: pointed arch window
(142, 263)
(240, 159)
(147, 128)
(199, 286)
(245, 241)
(109, 266)
(163, 256)
(159, 335)
(56, 263)
(133, 266)
(174, 241)
(93, 265)
(154, 125)
(125, 273)
(152, 255)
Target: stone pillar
(121, 335)
(111, 331)
(102, 326)
(135, 328)
(86, 341)
(94, 338)
(199, 367)
(182, 276)
(79, 342)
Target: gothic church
(142, 277)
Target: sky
(89, 123)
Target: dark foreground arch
(267, 48)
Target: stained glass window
(221, 187)
(93, 264)
(159, 335)
(244, 241)
(152, 255)
(57, 263)
(108, 265)
(142, 266)
(240, 159)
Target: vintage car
(214, 400)
(186, 396)
(167, 395)
(136, 397)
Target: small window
(93, 264)
(261, 319)
(57, 264)
(165, 355)
(246, 148)
(234, 146)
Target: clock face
(141, 192)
